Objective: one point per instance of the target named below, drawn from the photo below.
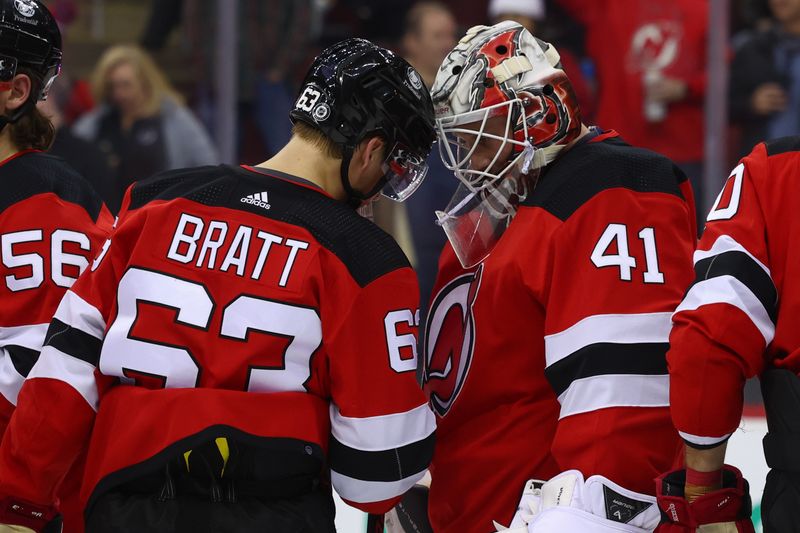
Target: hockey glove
(726, 510)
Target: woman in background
(141, 123)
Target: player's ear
(369, 153)
(21, 87)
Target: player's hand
(667, 90)
(728, 508)
(768, 98)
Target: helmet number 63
(308, 99)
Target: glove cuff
(22, 513)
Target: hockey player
(547, 333)
(247, 339)
(739, 320)
(51, 222)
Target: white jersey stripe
(79, 374)
(358, 491)
(78, 313)
(31, 337)
(731, 291)
(619, 329)
(614, 390)
(10, 379)
(726, 243)
(703, 441)
(383, 432)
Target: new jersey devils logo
(450, 340)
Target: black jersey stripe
(605, 358)
(385, 465)
(589, 168)
(783, 145)
(74, 342)
(745, 269)
(38, 173)
(22, 358)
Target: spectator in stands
(82, 155)
(651, 73)
(141, 124)
(430, 34)
(765, 79)
(273, 51)
(531, 14)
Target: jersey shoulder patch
(591, 168)
(37, 173)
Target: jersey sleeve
(59, 399)
(42, 256)
(727, 317)
(382, 429)
(619, 266)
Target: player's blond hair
(156, 86)
(315, 136)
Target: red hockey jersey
(741, 312)
(550, 355)
(231, 302)
(51, 225)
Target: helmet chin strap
(17, 114)
(355, 198)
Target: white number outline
(623, 259)
(197, 312)
(727, 213)
(36, 261)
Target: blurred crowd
(638, 67)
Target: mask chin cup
(475, 219)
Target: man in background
(430, 34)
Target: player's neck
(584, 132)
(7, 146)
(304, 160)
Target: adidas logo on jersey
(261, 199)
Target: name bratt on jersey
(239, 249)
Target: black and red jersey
(550, 355)
(51, 225)
(231, 302)
(739, 316)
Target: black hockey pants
(780, 505)
(254, 493)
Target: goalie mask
(503, 90)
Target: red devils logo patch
(450, 340)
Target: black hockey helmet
(30, 37)
(354, 90)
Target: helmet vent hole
(550, 119)
(457, 70)
(548, 89)
(502, 49)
